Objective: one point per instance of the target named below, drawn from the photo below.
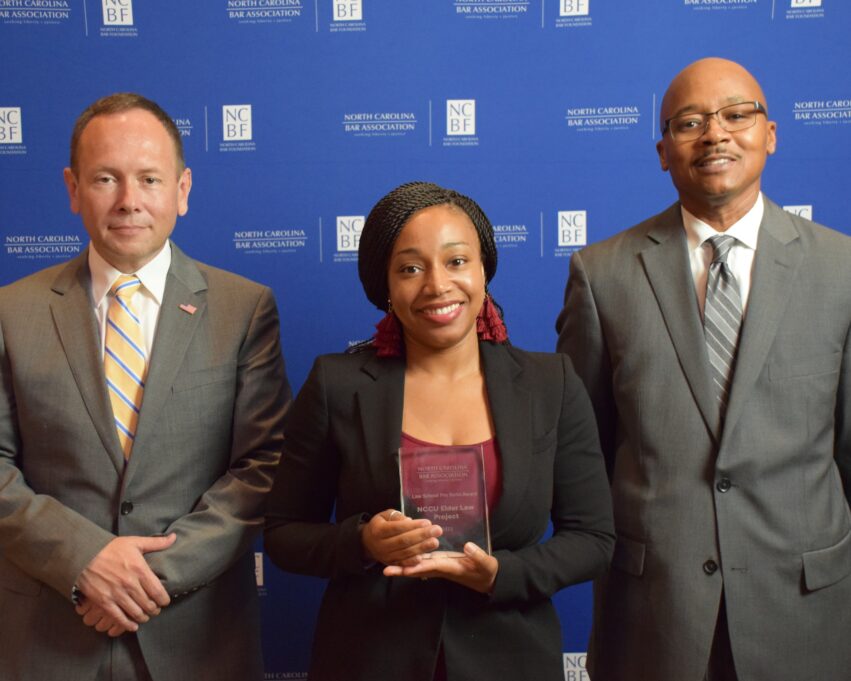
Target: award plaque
(447, 486)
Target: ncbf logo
(461, 117)
(573, 8)
(10, 125)
(347, 10)
(800, 211)
(117, 12)
(259, 577)
(574, 667)
(572, 228)
(805, 3)
(236, 122)
(349, 228)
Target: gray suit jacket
(207, 444)
(762, 500)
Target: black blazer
(342, 437)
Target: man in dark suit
(714, 341)
(140, 426)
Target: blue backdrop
(297, 115)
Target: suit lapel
(667, 268)
(185, 286)
(776, 262)
(76, 324)
(380, 409)
(511, 409)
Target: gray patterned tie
(722, 317)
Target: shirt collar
(745, 230)
(153, 275)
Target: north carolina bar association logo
(719, 4)
(347, 16)
(603, 118)
(822, 111)
(491, 9)
(460, 123)
(34, 11)
(379, 123)
(11, 131)
(42, 246)
(349, 228)
(510, 236)
(270, 241)
(118, 19)
(264, 11)
(237, 128)
(571, 231)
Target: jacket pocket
(629, 556)
(195, 379)
(805, 366)
(824, 567)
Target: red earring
(489, 324)
(388, 335)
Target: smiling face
(719, 169)
(128, 187)
(436, 278)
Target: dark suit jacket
(342, 439)
(762, 499)
(207, 443)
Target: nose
(437, 281)
(127, 198)
(713, 130)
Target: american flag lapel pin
(186, 307)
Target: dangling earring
(489, 324)
(388, 335)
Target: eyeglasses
(732, 118)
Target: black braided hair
(386, 220)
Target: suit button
(724, 485)
(710, 567)
(126, 508)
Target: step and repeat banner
(297, 115)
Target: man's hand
(121, 591)
(95, 616)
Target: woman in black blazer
(439, 371)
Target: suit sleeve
(299, 536)
(583, 538)
(842, 449)
(580, 336)
(229, 515)
(42, 537)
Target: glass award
(447, 486)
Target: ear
(184, 185)
(73, 186)
(771, 141)
(660, 149)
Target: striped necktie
(722, 318)
(124, 360)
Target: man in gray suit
(140, 505)
(714, 341)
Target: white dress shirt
(146, 300)
(739, 259)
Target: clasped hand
(404, 546)
(120, 590)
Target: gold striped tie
(124, 360)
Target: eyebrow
(416, 251)
(689, 108)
